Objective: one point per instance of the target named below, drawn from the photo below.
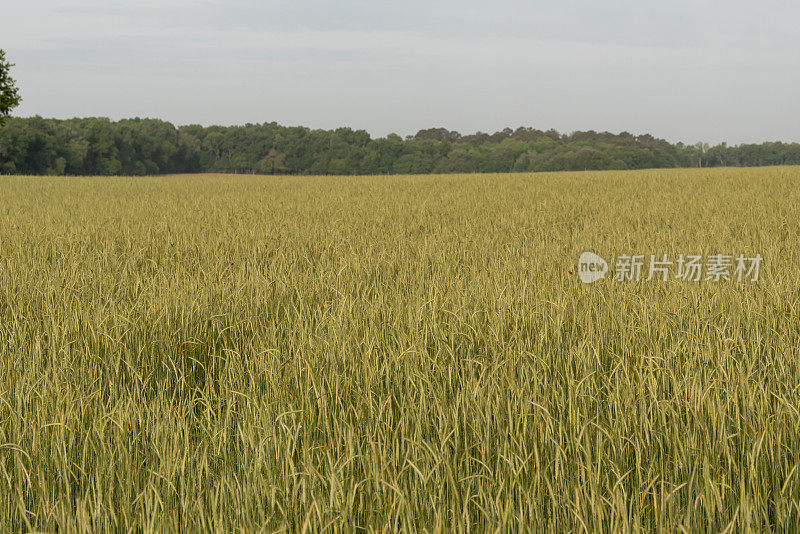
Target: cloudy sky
(684, 70)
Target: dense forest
(98, 146)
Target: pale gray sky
(684, 70)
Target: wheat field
(396, 353)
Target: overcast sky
(683, 70)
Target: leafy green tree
(147, 146)
(9, 94)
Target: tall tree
(9, 94)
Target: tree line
(99, 146)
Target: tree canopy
(9, 94)
(99, 146)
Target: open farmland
(396, 353)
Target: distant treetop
(95, 146)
